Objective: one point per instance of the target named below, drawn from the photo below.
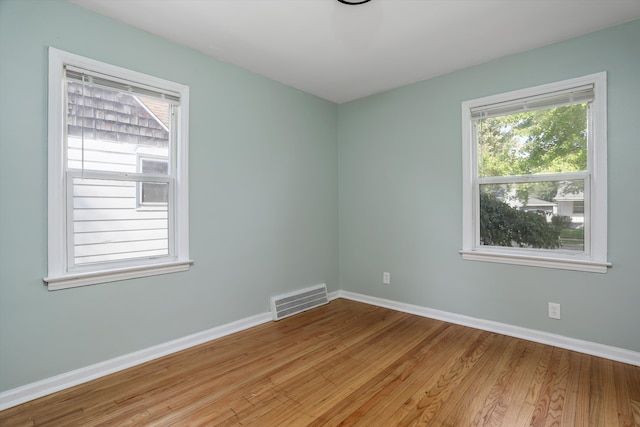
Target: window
(152, 194)
(118, 177)
(534, 176)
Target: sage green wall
(263, 189)
(400, 197)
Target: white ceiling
(341, 53)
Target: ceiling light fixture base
(353, 3)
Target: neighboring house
(571, 204)
(539, 205)
(117, 132)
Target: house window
(152, 194)
(534, 173)
(117, 143)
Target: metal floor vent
(298, 301)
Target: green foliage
(534, 142)
(503, 225)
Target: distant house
(538, 205)
(570, 203)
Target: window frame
(594, 258)
(60, 276)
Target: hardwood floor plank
(352, 364)
(602, 405)
(635, 411)
(544, 396)
(632, 385)
(625, 413)
(559, 392)
(485, 392)
(584, 392)
(518, 390)
(575, 364)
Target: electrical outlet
(554, 310)
(386, 278)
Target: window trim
(596, 259)
(59, 276)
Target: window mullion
(533, 178)
(476, 213)
(588, 223)
(69, 229)
(116, 176)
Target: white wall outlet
(386, 278)
(554, 310)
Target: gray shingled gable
(108, 115)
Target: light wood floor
(349, 363)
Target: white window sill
(72, 280)
(537, 261)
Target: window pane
(107, 129)
(156, 167)
(107, 226)
(534, 142)
(543, 215)
(154, 193)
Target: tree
(534, 142)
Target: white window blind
(110, 82)
(576, 95)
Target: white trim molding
(95, 277)
(537, 261)
(587, 347)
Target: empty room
(319, 212)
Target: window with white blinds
(118, 159)
(534, 176)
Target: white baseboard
(587, 347)
(41, 388)
(333, 295)
(47, 386)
